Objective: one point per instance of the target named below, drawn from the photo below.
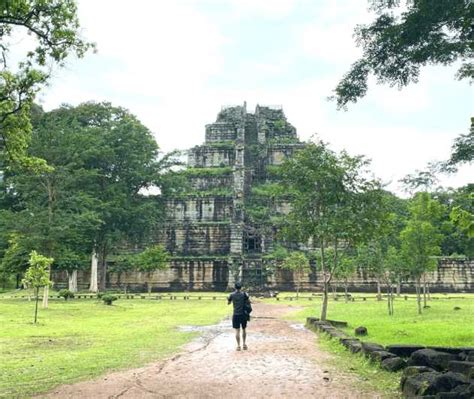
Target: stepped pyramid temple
(223, 225)
(221, 228)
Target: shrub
(66, 294)
(108, 298)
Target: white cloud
(160, 60)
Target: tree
(334, 204)
(462, 151)
(15, 259)
(37, 275)
(420, 240)
(345, 271)
(298, 263)
(397, 44)
(54, 29)
(151, 259)
(370, 257)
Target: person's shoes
(238, 348)
(245, 347)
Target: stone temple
(223, 224)
(219, 229)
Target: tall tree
(37, 275)
(334, 204)
(298, 263)
(53, 27)
(406, 36)
(420, 240)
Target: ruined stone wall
(219, 229)
(449, 276)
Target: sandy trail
(283, 361)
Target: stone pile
(428, 372)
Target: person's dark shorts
(239, 320)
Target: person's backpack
(247, 307)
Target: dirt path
(283, 361)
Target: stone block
(360, 331)
(431, 358)
(404, 350)
(380, 356)
(393, 364)
(368, 347)
(461, 367)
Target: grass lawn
(81, 339)
(438, 325)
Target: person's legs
(237, 337)
(244, 337)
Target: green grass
(81, 339)
(438, 325)
(369, 374)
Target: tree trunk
(379, 290)
(424, 291)
(72, 281)
(149, 287)
(94, 261)
(399, 287)
(36, 305)
(346, 292)
(103, 269)
(46, 291)
(324, 305)
(418, 294)
(334, 291)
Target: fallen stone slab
(334, 323)
(346, 341)
(461, 367)
(418, 384)
(449, 349)
(432, 383)
(431, 358)
(380, 356)
(411, 371)
(355, 347)
(338, 334)
(368, 347)
(393, 364)
(404, 350)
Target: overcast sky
(175, 63)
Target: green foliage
(152, 258)
(420, 239)
(279, 124)
(66, 294)
(464, 218)
(37, 275)
(396, 45)
(334, 204)
(16, 257)
(108, 299)
(283, 140)
(54, 31)
(226, 144)
(269, 190)
(207, 172)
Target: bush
(108, 298)
(66, 294)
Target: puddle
(222, 326)
(299, 327)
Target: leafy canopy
(53, 27)
(397, 44)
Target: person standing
(241, 302)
